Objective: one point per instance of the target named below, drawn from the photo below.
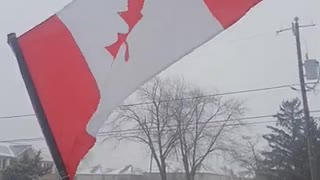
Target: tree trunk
(189, 177)
(192, 175)
(163, 174)
(187, 174)
(186, 167)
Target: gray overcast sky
(249, 55)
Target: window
(47, 165)
(44, 165)
(3, 164)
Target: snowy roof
(12, 149)
(101, 170)
(46, 156)
(127, 170)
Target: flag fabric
(85, 60)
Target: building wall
(171, 176)
(51, 177)
(9, 161)
(47, 177)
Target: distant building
(11, 152)
(131, 173)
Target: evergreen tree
(288, 155)
(26, 169)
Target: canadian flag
(86, 59)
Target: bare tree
(152, 121)
(178, 119)
(247, 155)
(202, 123)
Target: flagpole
(36, 103)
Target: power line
(17, 116)
(212, 122)
(219, 94)
(115, 135)
(22, 140)
(210, 126)
(112, 133)
(190, 98)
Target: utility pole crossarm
(293, 28)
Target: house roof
(130, 170)
(99, 169)
(46, 156)
(12, 149)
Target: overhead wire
(211, 122)
(135, 131)
(188, 98)
(117, 135)
(145, 103)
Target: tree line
(286, 155)
(178, 121)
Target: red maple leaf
(132, 16)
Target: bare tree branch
(179, 127)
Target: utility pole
(313, 169)
(296, 31)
